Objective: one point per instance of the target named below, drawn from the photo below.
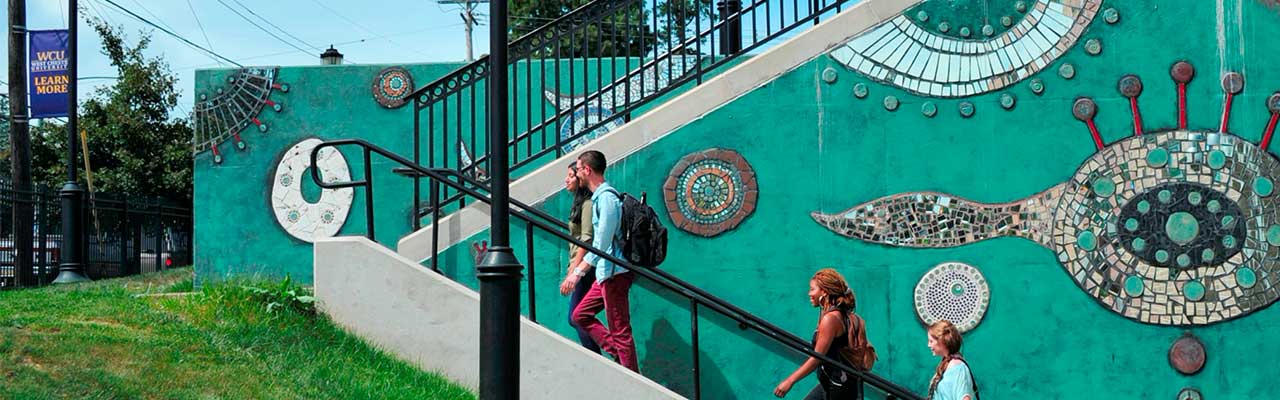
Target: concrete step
(426, 319)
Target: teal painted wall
(816, 147)
(237, 233)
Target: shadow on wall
(667, 361)
(668, 351)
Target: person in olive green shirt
(579, 228)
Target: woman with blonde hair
(952, 380)
(841, 335)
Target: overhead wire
(208, 52)
(264, 19)
(201, 25)
(255, 24)
(354, 23)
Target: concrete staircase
(433, 322)
(667, 118)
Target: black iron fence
(589, 71)
(124, 236)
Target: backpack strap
(972, 380)
(617, 233)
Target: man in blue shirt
(613, 282)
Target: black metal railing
(124, 236)
(535, 219)
(621, 54)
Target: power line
(201, 25)
(434, 28)
(353, 23)
(264, 19)
(153, 15)
(211, 53)
(255, 24)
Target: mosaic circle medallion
(392, 87)
(710, 192)
(953, 291)
(1190, 393)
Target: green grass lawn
(121, 339)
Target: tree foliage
(633, 30)
(136, 147)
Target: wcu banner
(47, 66)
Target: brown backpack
(860, 353)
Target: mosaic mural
(392, 86)
(935, 60)
(710, 192)
(1176, 227)
(302, 219)
(953, 291)
(223, 114)
(590, 109)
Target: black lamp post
(71, 269)
(499, 271)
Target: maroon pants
(610, 295)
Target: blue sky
(385, 31)
(366, 32)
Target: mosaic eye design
(230, 109)
(1173, 227)
(640, 83)
(931, 52)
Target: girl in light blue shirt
(952, 380)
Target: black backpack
(643, 238)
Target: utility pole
(71, 269)
(20, 144)
(499, 271)
(470, 18)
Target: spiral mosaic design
(710, 192)
(392, 87)
(955, 292)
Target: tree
(629, 31)
(621, 33)
(136, 147)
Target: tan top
(583, 230)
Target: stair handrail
(618, 88)
(662, 278)
(522, 44)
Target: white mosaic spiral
(302, 219)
